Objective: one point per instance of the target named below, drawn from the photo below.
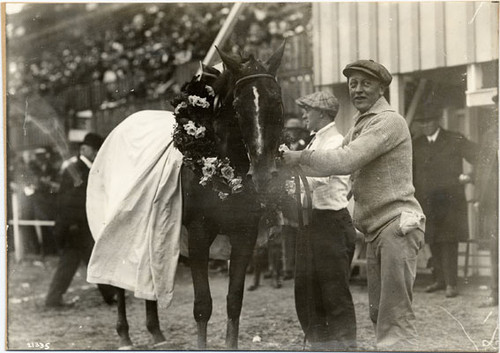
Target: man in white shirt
(323, 299)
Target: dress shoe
(434, 287)
(451, 292)
(489, 302)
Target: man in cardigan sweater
(377, 152)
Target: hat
(93, 140)
(428, 111)
(371, 68)
(319, 100)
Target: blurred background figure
(72, 230)
(438, 177)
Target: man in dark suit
(438, 156)
(72, 230)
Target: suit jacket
(436, 170)
(72, 228)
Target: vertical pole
(18, 243)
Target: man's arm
(383, 134)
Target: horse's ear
(231, 63)
(273, 63)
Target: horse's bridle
(250, 77)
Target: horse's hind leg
(122, 324)
(152, 321)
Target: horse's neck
(233, 146)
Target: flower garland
(194, 137)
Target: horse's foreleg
(152, 321)
(241, 252)
(122, 324)
(199, 244)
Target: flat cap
(371, 68)
(319, 100)
(93, 140)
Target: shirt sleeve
(383, 133)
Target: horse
(247, 128)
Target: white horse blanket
(134, 207)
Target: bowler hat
(371, 68)
(93, 140)
(319, 100)
(428, 111)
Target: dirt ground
(268, 320)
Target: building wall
(404, 36)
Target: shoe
(490, 301)
(434, 287)
(451, 292)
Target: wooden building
(445, 47)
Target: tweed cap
(371, 68)
(319, 100)
(93, 140)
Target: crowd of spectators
(141, 43)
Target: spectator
(72, 228)
(486, 196)
(323, 270)
(377, 154)
(437, 166)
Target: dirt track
(267, 313)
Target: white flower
(210, 91)
(236, 185)
(209, 161)
(223, 195)
(198, 101)
(190, 128)
(200, 132)
(180, 106)
(290, 187)
(283, 148)
(204, 180)
(227, 172)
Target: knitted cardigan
(377, 152)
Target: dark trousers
(289, 241)
(445, 262)
(69, 261)
(322, 296)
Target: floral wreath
(194, 137)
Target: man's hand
(291, 158)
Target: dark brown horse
(247, 127)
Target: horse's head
(259, 112)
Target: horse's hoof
(126, 348)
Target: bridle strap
(249, 77)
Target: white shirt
(329, 193)
(434, 136)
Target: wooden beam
(225, 31)
(415, 100)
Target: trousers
(445, 262)
(70, 259)
(322, 296)
(391, 273)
